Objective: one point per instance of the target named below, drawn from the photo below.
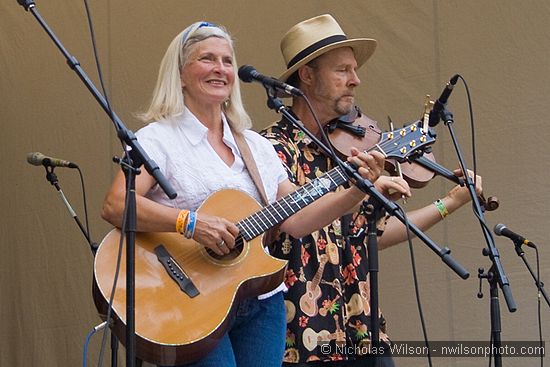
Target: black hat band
(314, 47)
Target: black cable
(474, 159)
(472, 126)
(539, 316)
(324, 135)
(474, 163)
(85, 205)
(121, 241)
(416, 285)
(98, 64)
(115, 280)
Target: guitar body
(333, 255)
(312, 339)
(355, 306)
(364, 290)
(172, 327)
(308, 301)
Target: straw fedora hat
(313, 37)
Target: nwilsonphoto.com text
(442, 349)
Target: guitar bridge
(175, 271)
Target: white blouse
(180, 148)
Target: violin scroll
(489, 204)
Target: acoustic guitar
(186, 295)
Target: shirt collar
(299, 136)
(228, 135)
(193, 128)
(196, 131)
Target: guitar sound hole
(233, 254)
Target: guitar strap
(250, 164)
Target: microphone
(27, 4)
(441, 102)
(249, 74)
(501, 230)
(39, 159)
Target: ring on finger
(221, 244)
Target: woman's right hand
(215, 233)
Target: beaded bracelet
(440, 205)
(190, 228)
(181, 222)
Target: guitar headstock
(404, 142)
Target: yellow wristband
(181, 222)
(440, 205)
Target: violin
(357, 130)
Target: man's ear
(305, 74)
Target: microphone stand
(496, 274)
(374, 211)
(496, 342)
(538, 283)
(52, 179)
(376, 200)
(134, 158)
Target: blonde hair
(168, 100)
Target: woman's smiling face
(208, 76)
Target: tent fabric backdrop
(500, 48)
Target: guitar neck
(275, 213)
(397, 144)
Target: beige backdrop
(500, 47)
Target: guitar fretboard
(396, 144)
(275, 213)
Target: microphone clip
(439, 111)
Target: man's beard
(343, 107)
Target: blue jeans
(256, 336)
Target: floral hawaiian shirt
(327, 302)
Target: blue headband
(201, 25)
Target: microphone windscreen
(245, 73)
(35, 158)
(499, 228)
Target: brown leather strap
(250, 165)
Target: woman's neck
(209, 115)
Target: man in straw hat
(328, 314)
